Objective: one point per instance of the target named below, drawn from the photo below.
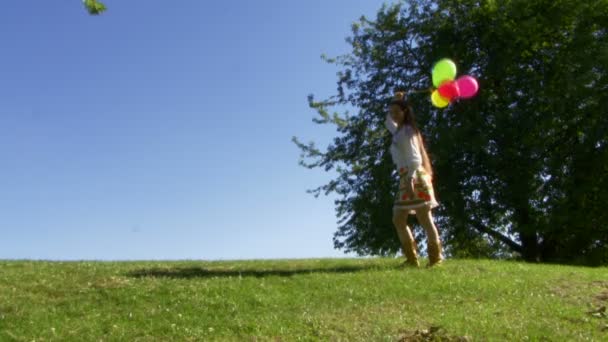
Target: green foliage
(94, 7)
(523, 165)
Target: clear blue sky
(162, 129)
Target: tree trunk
(528, 236)
(529, 243)
(548, 249)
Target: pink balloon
(468, 86)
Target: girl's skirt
(424, 196)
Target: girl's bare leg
(408, 244)
(425, 218)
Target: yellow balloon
(438, 100)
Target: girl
(415, 195)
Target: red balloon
(449, 90)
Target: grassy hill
(307, 300)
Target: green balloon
(444, 70)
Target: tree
(94, 7)
(521, 168)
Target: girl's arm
(413, 155)
(390, 124)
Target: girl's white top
(405, 150)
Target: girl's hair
(409, 119)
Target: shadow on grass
(201, 272)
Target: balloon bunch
(449, 89)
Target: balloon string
(430, 90)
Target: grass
(301, 300)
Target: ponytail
(426, 161)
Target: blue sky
(162, 129)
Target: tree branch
(504, 239)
